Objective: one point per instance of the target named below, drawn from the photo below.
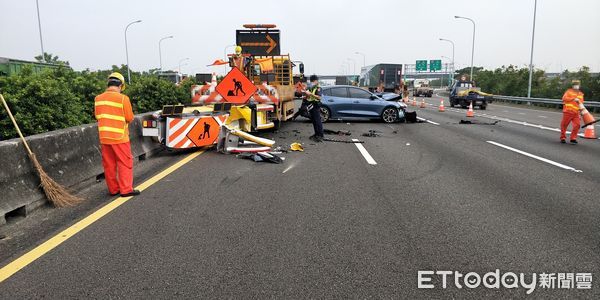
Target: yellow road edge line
(37, 252)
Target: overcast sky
(323, 34)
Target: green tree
(51, 59)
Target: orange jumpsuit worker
(571, 100)
(113, 112)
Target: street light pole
(451, 42)
(37, 4)
(180, 61)
(364, 58)
(452, 68)
(354, 65)
(160, 51)
(531, 56)
(473, 44)
(127, 51)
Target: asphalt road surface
(338, 222)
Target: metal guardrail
(588, 104)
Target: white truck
(421, 88)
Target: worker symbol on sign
(206, 132)
(237, 88)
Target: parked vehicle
(464, 92)
(345, 102)
(422, 88)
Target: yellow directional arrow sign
(269, 43)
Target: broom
(56, 193)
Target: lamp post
(451, 42)
(180, 61)
(40, 28)
(364, 58)
(160, 51)
(354, 65)
(473, 43)
(449, 76)
(531, 56)
(127, 51)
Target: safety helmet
(576, 82)
(118, 76)
(238, 50)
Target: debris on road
(474, 122)
(336, 132)
(372, 133)
(343, 141)
(262, 156)
(297, 147)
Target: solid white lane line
(430, 122)
(364, 153)
(536, 157)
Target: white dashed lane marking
(557, 164)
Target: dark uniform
(314, 108)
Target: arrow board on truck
(258, 42)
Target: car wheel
(325, 114)
(389, 115)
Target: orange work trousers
(118, 167)
(569, 117)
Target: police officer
(313, 96)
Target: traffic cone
(588, 118)
(470, 111)
(414, 102)
(213, 82)
(442, 108)
(422, 103)
(589, 132)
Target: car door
(337, 100)
(363, 104)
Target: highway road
(336, 221)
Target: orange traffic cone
(422, 103)
(442, 108)
(588, 118)
(589, 132)
(414, 102)
(470, 111)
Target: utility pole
(37, 4)
(127, 51)
(531, 56)
(473, 44)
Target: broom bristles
(56, 193)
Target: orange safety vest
(113, 111)
(569, 104)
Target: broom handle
(15, 123)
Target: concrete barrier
(70, 156)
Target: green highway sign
(421, 65)
(435, 65)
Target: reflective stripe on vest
(111, 119)
(313, 90)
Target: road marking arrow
(270, 43)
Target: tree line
(513, 81)
(60, 98)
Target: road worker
(313, 97)
(113, 112)
(237, 59)
(571, 100)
